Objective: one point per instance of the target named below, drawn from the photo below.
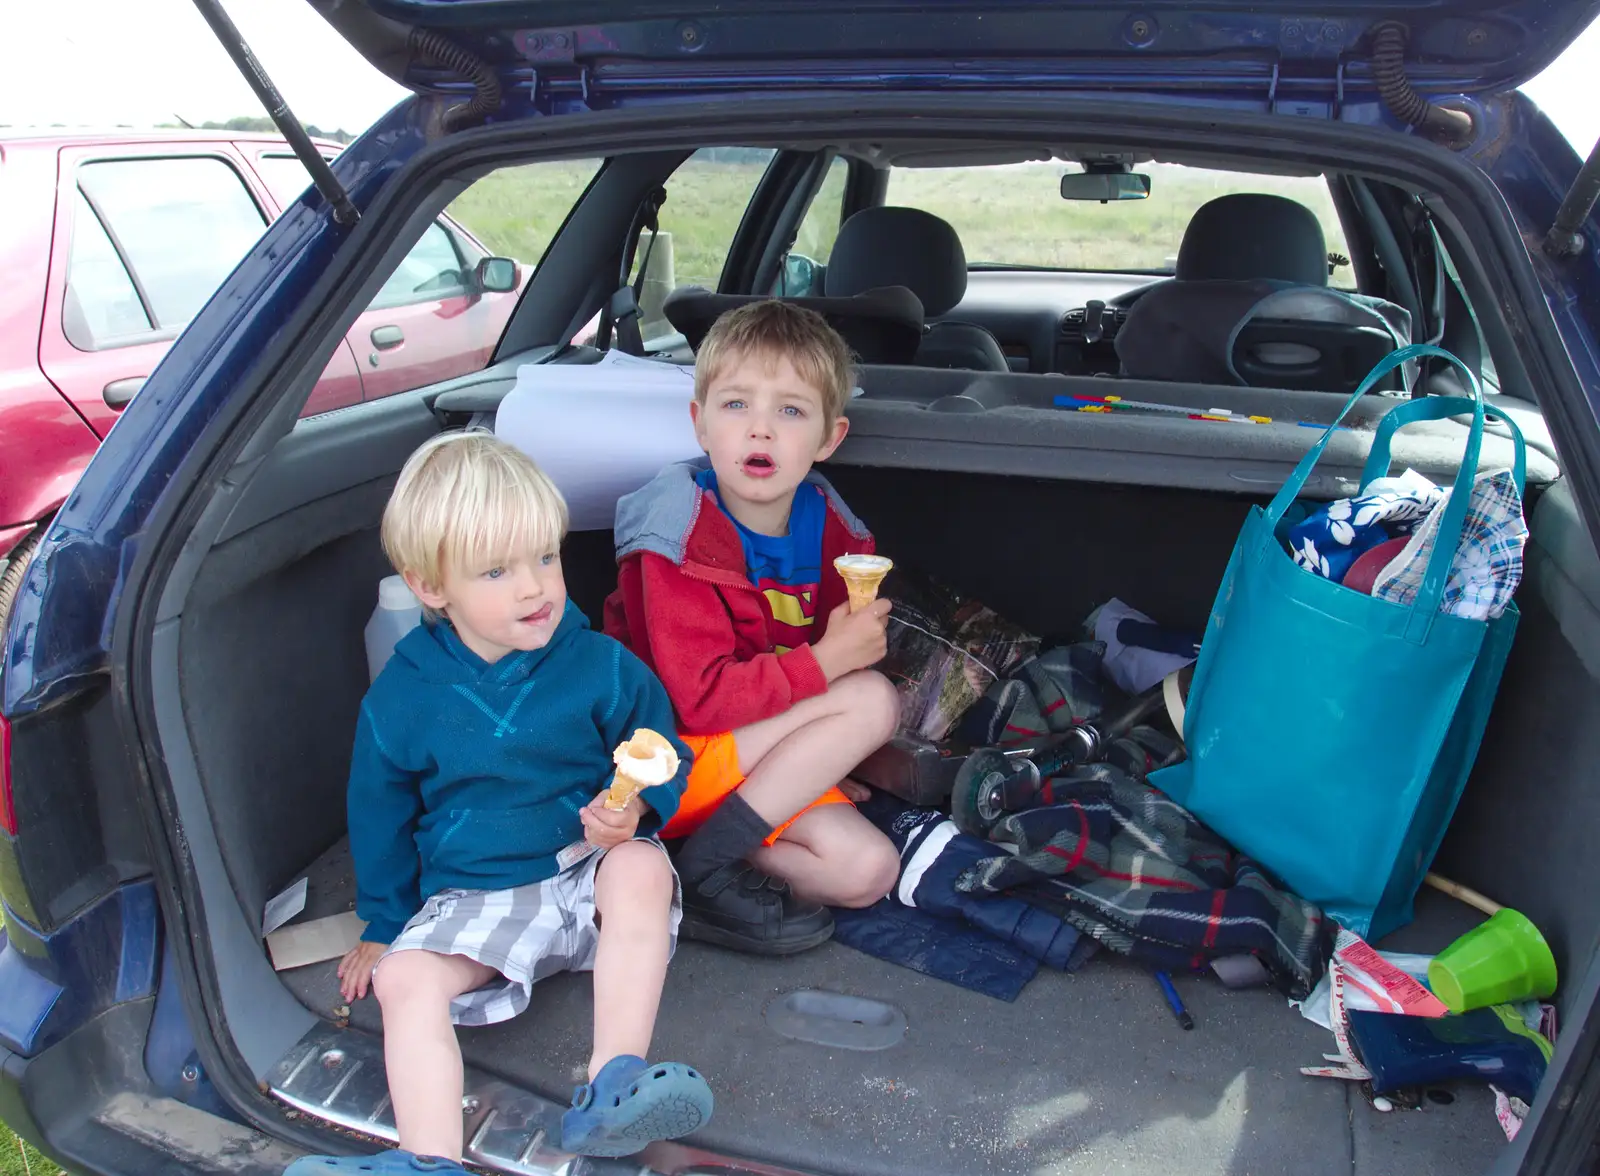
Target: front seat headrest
(1250, 235)
(879, 326)
(899, 247)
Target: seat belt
(1425, 252)
(622, 312)
(1425, 246)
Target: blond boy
(484, 858)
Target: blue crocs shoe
(389, 1163)
(631, 1104)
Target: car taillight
(8, 808)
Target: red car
(114, 241)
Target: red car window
(180, 225)
(102, 303)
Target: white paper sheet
(284, 907)
(600, 430)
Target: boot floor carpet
(1083, 1074)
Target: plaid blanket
(1121, 862)
(1042, 697)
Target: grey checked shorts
(525, 934)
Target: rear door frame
(230, 422)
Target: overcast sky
(142, 62)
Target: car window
(1013, 215)
(706, 198)
(285, 177)
(403, 339)
(432, 270)
(439, 266)
(516, 211)
(102, 304)
(813, 241)
(179, 225)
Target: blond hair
(467, 501)
(772, 330)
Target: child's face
(763, 427)
(515, 605)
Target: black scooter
(993, 782)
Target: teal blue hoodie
(471, 775)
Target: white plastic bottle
(398, 612)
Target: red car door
(429, 321)
(144, 233)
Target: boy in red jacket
(727, 589)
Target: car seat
(879, 326)
(908, 247)
(1249, 303)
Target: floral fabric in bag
(1334, 537)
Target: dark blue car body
(87, 933)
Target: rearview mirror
(1105, 186)
(497, 275)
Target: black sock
(732, 832)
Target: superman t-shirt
(786, 568)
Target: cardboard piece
(300, 944)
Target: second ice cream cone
(862, 575)
(642, 762)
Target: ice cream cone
(862, 574)
(645, 760)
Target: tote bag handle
(1438, 408)
(1425, 606)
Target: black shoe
(741, 908)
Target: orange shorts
(714, 774)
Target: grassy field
(18, 1159)
(1010, 215)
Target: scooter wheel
(971, 807)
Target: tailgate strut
(344, 212)
(1564, 239)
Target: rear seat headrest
(899, 247)
(879, 326)
(1251, 235)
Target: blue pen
(1174, 1000)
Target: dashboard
(1050, 321)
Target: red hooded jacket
(685, 605)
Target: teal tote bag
(1330, 733)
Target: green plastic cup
(1502, 959)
